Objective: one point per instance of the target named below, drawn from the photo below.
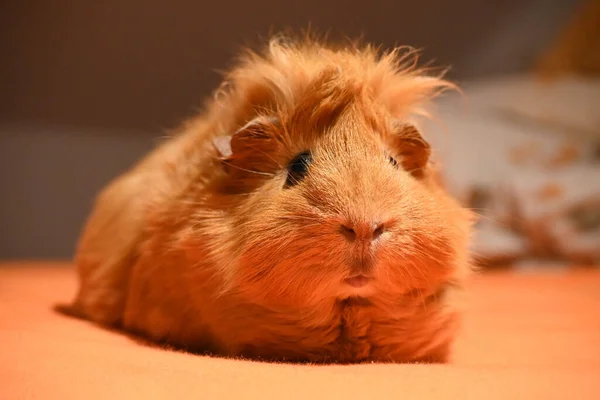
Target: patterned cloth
(525, 156)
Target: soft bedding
(527, 335)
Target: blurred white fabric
(525, 155)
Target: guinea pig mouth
(358, 281)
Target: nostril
(379, 229)
(365, 231)
(348, 232)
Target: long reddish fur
(210, 253)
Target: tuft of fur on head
(275, 78)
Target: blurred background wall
(89, 86)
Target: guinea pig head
(335, 198)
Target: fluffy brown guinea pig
(298, 218)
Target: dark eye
(393, 161)
(298, 168)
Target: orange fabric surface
(526, 336)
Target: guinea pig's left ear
(413, 150)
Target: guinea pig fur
(297, 218)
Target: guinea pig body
(298, 218)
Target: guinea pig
(298, 218)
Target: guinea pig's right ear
(250, 147)
(223, 146)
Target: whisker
(248, 170)
(265, 154)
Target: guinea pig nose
(362, 230)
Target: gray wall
(88, 86)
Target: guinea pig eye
(393, 162)
(298, 168)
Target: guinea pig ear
(223, 143)
(249, 148)
(413, 150)
(223, 146)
